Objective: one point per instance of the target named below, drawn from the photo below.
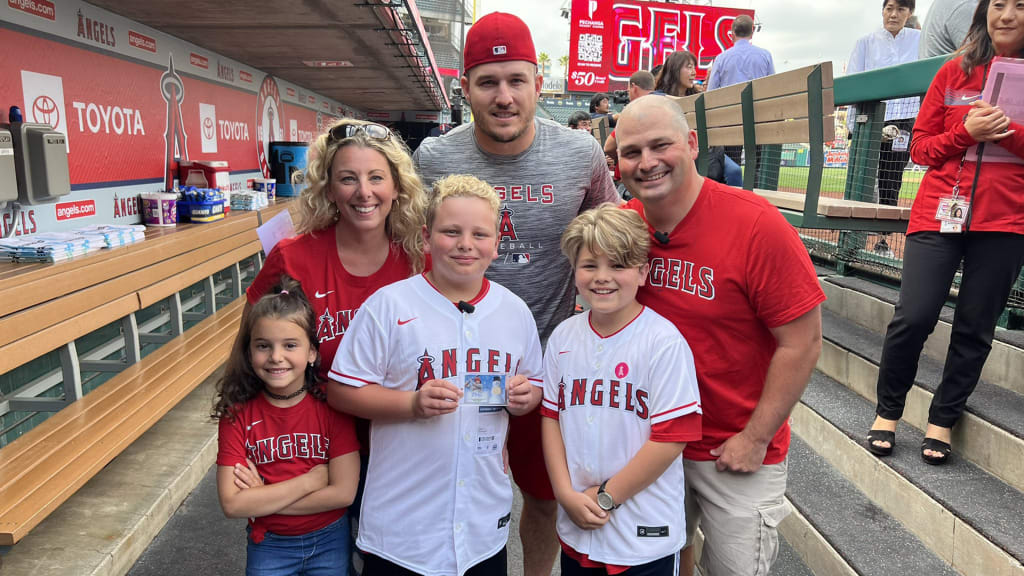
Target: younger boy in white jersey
(620, 401)
(438, 499)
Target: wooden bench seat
(793, 107)
(52, 305)
(835, 207)
(44, 467)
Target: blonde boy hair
(461, 186)
(610, 230)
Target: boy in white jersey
(438, 499)
(620, 401)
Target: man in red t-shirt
(733, 276)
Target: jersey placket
(465, 462)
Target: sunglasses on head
(375, 131)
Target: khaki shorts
(738, 513)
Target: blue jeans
(323, 552)
(733, 173)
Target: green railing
(869, 91)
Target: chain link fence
(869, 161)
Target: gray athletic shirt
(945, 27)
(542, 189)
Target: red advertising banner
(611, 40)
(129, 122)
(41, 8)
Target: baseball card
(485, 390)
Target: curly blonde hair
(404, 222)
(461, 186)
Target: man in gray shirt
(545, 174)
(945, 27)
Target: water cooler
(287, 163)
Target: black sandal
(881, 436)
(935, 446)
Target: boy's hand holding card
(521, 395)
(435, 398)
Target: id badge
(952, 210)
(902, 142)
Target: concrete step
(871, 305)
(967, 517)
(861, 537)
(991, 432)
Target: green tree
(563, 61)
(542, 60)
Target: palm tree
(563, 61)
(543, 60)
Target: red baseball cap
(498, 37)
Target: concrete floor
(198, 539)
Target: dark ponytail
(285, 301)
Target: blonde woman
(359, 225)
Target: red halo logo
(622, 370)
(45, 111)
(208, 129)
(268, 121)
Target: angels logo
(622, 370)
(426, 370)
(268, 120)
(325, 328)
(506, 229)
(175, 140)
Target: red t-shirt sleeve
(230, 442)
(342, 435)
(683, 429)
(932, 144)
(273, 268)
(781, 280)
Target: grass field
(833, 181)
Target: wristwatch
(604, 499)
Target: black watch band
(600, 491)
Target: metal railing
(861, 165)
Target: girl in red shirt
(285, 460)
(965, 211)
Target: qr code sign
(591, 48)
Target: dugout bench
(56, 307)
(793, 107)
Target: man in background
(741, 63)
(579, 120)
(600, 105)
(641, 83)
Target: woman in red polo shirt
(967, 210)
